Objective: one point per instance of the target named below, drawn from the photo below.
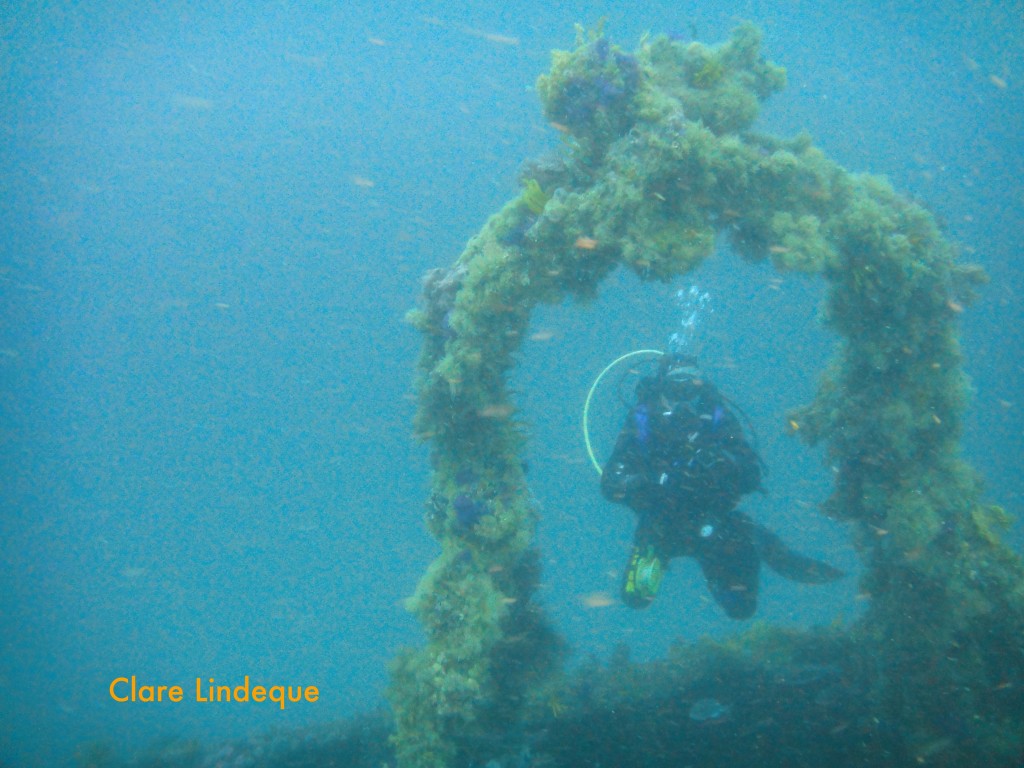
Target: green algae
(534, 198)
(660, 161)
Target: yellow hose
(590, 395)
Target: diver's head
(679, 367)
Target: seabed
(659, 161)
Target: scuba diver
(682, 463)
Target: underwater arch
(660, 161)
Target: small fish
(495, 411)
(196, 103)
(598, 600)
(803, 675)
(709, 711)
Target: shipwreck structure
(660, 162)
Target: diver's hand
(620, 486)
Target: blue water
(212, 223)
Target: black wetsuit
(682, 463)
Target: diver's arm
(618, 483)
(624, 478)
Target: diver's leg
(731, 566)
(787, 562)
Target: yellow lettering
(242, 691)
(113, 684)
(175, 693)
(280, 695)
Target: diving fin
(788, 563)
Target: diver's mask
(681, 368)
